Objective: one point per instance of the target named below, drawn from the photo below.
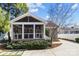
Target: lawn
(11, 52)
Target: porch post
(11, 31)
(22, 31)
(34, 31)
(44, 32)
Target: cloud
(34, 10)
(47, 17)
(40, 5)
(31, 5)
(35, 5)
(74, 6)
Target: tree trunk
(9, 38)
(54, 33)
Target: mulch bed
(56, 43)
(2, 46)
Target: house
(26, 27)
(69, 33)
(50, 27)
(69, 30)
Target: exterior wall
(68, 36)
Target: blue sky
(41, 10)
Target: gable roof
(51, 24)
(27, 14)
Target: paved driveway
(66, 49)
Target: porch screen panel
(39, 31)
(17, 31)
(28, 31)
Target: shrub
(38, 44)
(77, 40)
(47, 32)
(34, 44)
(15, 45)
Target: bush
(47, 32)
(38, 44)
(16, 45)
(34, 44)
(77, 40)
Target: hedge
(77, 40)
(34, 44)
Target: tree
(5, 18)
(21, 6)
(4, 21)
(60, 14)
(15, 9)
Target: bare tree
(60, 14)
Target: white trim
(27, 14)
(11, 32)
(27, 23)
(22, 31)
(19, 17)
(34, 31)
(44, 31)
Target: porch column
(11, 31)
(44, 32)
(34, 31)
(22, 31)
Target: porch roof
(27, 14)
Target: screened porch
(30, 31)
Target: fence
(68, 36)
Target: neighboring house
(69, 33)
(69, 30)
(26, 27)
(50, 26)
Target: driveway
(66, 49)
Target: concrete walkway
(66, 49)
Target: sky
(41, 10)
